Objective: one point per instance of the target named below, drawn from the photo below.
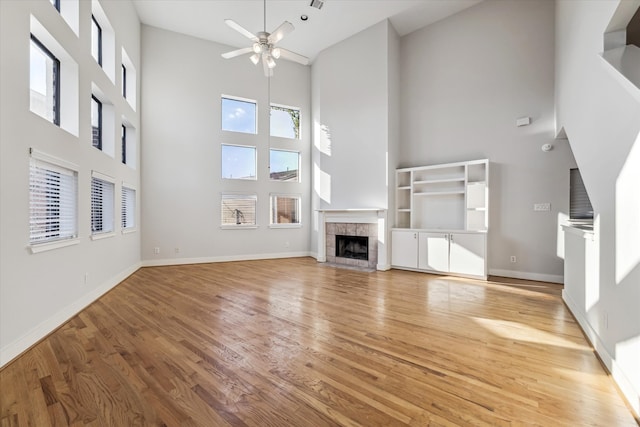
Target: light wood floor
(296, 343)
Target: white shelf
(438, 181)
(408, 187)
(438, 193)
(477, 209)
(404, 210)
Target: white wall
(38, 292)
(183, 79)
(465, 81)
(353, 121)
(600, 112)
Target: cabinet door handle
(415, 235)
(451, 238)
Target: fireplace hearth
(353, 247)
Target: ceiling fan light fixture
(275, 52)
(255, 58)
(270, 62)
(257, 48)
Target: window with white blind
(238, 210)
(285, 210)
(128, 208)
(580, 208)
(53, 201)
(102, 212)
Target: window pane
(124, 144)
(285, 210)
(96, 123)
(284, 165)
(101, 206)
(52, 202)
(124, 81)
(285, 122)
(128, 207)
(43, 82)
(96, 40)
(238, 209)
(238, 116)
(238, 162)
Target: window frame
(239, 99)
(56, 4)
(124, 81)
(99, 103)
(239, 195)
(56, 80)
(255, 166)
(273, 198)
(44, 161)
(110, 182)
(95, 22)
(282, 107)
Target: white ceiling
(336, 21)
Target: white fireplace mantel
(358, 216)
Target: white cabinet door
(467, 254)
(404, 249)
(433, 251)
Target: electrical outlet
(156, 250)
(177, 250)
(542, 207)
(513, 258)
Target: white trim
(205, 260)
(36, 248)
(101, 236)
(238, 227)
(39, 155)
(538, 277)
(626, 387)
(129, 230)
(103, 177)
(17, 347)
(288, 225)
(129, 186)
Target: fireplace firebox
(354, 247)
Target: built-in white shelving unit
(442, 218)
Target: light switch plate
(542, 207)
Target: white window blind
(102, 211)
(52, 202)
(239, 209)
(128, 208)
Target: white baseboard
(14, 349)
(204, 260)
(631, 395)
(552, 278)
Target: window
(53, 202)
(124, 81)
(285, 209)
(96, 40)
(284, 165)
(102, 212)
(128, 208)
(56, 4)
(579, 204)
(96, 122)
(239, 115)
(239, 209)
(124, 144)
(285, 122)
(44, 82)
(238, 162)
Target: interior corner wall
(183, 79)
(599, 111)
(465, 81)
(40, 291)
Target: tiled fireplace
(352, 237)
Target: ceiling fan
(264, 45)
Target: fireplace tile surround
(352, 229)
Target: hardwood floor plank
(295, 343)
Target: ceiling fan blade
(292, 56)
(239, 28)
(278, 34)
(237, 52)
